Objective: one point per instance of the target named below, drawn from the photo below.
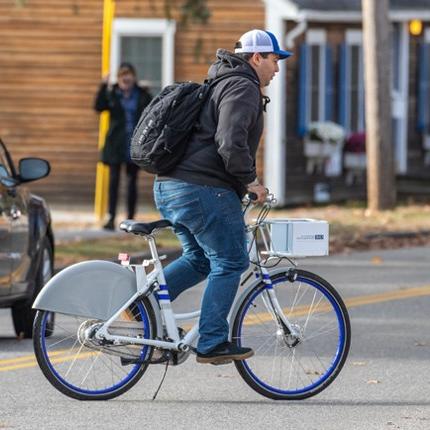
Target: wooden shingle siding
(50, 55)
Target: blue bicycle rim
(340, 346)
(115, 387)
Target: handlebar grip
(252, 196)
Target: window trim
(141, 27)
(316, 37)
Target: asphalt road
(385, 383)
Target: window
(145, 54)
(423, 87)
(149, 45)
(351, 103)
(316, 40)
(396, 56)
(5, 170)
(315, 80)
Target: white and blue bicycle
(113, 321)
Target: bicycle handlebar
(252, 198)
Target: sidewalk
(80, 222)
(351, 228)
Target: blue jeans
(210, 226)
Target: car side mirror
(31, 169)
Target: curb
(397, 234)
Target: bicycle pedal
(221, 363)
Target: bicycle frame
(156, 277)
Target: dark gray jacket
(222, 150)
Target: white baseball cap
(260, 41)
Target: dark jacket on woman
(116, 143)
(222, 151)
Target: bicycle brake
(291, 274)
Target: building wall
(300, 185)
(50, 59)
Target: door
(15, 246)
(5, 242)
(20, 258)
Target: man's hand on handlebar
(260, 191)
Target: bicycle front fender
(238, 302)
(92, 289)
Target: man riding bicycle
(202, 195)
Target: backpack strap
(213, 81)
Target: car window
(4, 165)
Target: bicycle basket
(295, 237)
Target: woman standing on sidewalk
(125, 101)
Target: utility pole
(381, 191)
(102, 173)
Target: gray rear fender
(92, 289)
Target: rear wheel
(22, 313)
(292, 366)
(80, 367)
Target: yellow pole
(102, 175)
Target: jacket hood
(227, 62)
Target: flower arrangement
(326, 131)
(356, 143)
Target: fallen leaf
(377, 260)
(417, 343)
(313, 372)
(359, 363)
(373, 381)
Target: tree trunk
(381, 192)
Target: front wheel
(79, 366)
(293, 366)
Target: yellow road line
(388, 296)
(28, 357)
(33, 362)
(352, 302)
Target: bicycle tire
(141, 311)
(312, 377)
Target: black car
(26, 239)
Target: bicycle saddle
(143, 228)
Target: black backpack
(160, 138)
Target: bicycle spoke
(62, 340)
(87, 368)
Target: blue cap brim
(283, 54)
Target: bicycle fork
(273, 307)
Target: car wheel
(22, 312)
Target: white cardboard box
(299, 237)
